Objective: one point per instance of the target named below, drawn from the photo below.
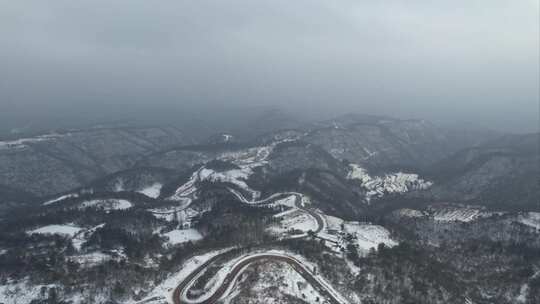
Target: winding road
(181, 290)
(179, 294)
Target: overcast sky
(450, 61)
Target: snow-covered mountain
(357, 209)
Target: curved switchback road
(297, 203)
(221, 291)
(181, 289)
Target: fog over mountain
(263, 152)
(452, 62)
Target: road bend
(220, 292)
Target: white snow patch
(67, 230)
(107, 204)
(289, 282)
(152, 191)
(378, 186)
(183, 236)
(523, 293)
(295, 220)
(531, 219)
(369, 236)
(457, 213)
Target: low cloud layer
(450, 61)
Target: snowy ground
(183, 216)
(369, 236)
(458, 214)
(378, 186)
(448, 213)
(107, 204)
(182, 236)
(152, 191)
(364, 235)
(531, 219)
(294, 219)
(66, 230)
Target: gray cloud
(464, 60)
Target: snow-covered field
(294, 219)
(369, 236)
(364, 235)
(531, 219)
(152, 191)
(448, 213)
(378, 186)
(182, 236)
(458, 214)
(107, 204)
(66, 230)
(183, 216)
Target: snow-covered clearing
(182, 236)
(66, 230)
(107, 204)
(152, 191)
(295, 220)
(289, 201)
(364, 235)
(531, 219)
(378, 186)
(369, 236)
